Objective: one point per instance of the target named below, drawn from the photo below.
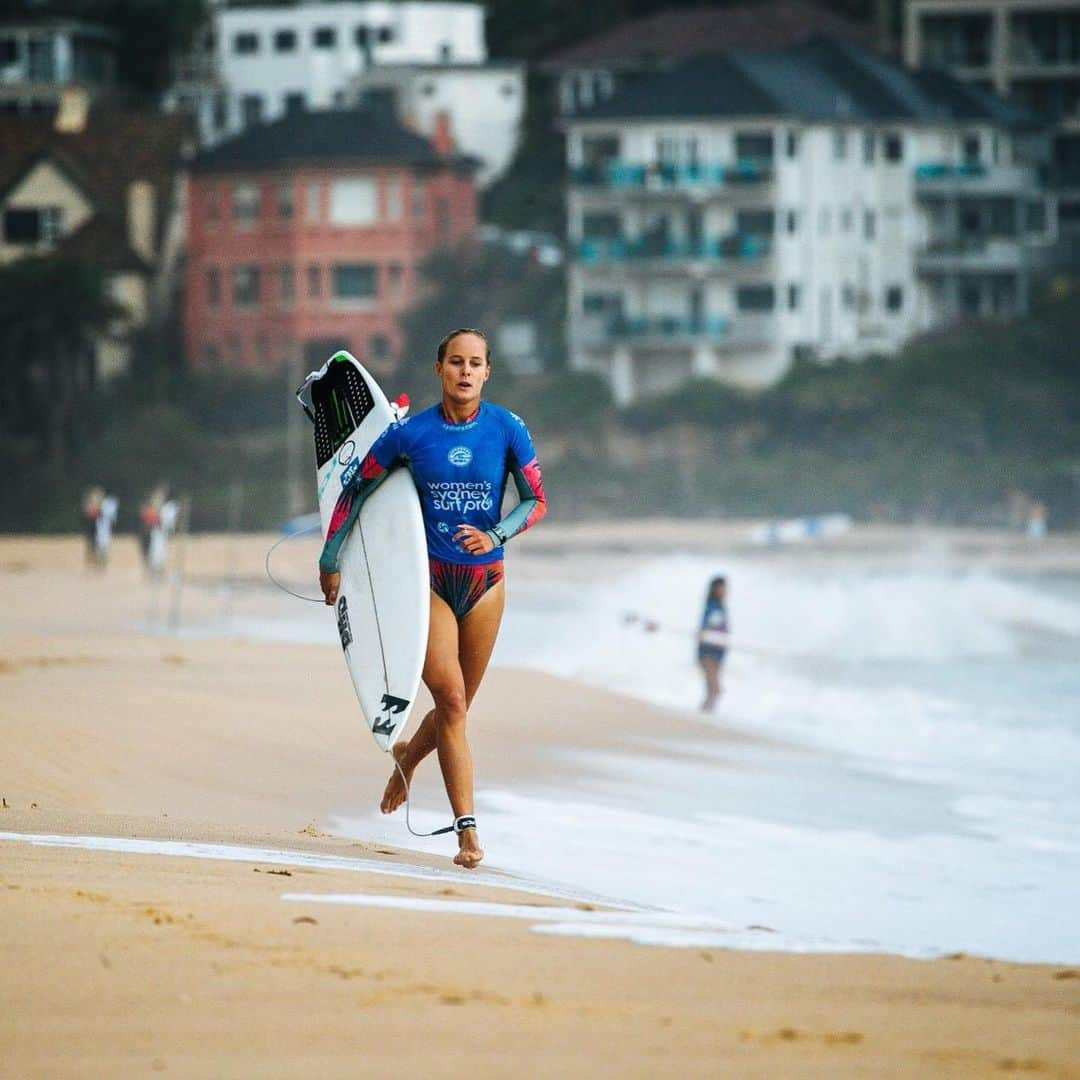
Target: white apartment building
(39, 58)
(255, 63)
(486, 104)
(1025, 50)
(743, 209)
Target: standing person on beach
(461, 452)
(712, 641)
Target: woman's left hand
(474, 541)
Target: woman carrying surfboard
(460, 452)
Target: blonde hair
(440, 353)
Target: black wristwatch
(497, 535)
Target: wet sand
(122, 964)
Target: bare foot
(469, 851)
(395, 792)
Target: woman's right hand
(329, 583)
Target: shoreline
(130, 961)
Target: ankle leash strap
(466, 821)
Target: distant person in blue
(713, 640)
(461, 452)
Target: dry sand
(125, 965)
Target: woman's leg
(458, 655)
(476, 639)
(711, 667)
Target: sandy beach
(132, 961)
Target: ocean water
(911, 782)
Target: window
(220, 112)
(755, 298)
(393, 198)
(294, 102)
(313, 208)
(428, 89)
(792, 144)
(508, 90)
(442, 219)
(847, 219)
(213, 208)
(950, 41)
(354, 281)
(869, 225)
(869, 147)
(251, 109)
(754, 146)
(847, 296)
(755, 223)
(385, 35)
(33, 226)
(446, 52)
(794, 297)
(894, 147)
(603, 304)
(419, 200)
(245, 286)
(245, 44)
(378, 349)
(972, 149)
(287, 285)
(325, 37)
(601, 225)
(314, 282)
(352, 202)
(793, 221)
(361, 36)
(839, 145)
(285, 41)
(395, 283)
(245, 204)
(285, 199)
(213, 286)
(1036, 217)
(894, 299)
(9, 51)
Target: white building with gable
(485, 102)
(742, 209)
(254, 63)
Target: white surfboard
(383, 600)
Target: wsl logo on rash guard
(460, 456)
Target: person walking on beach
(461, 452)
(712, 641)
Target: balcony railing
(662, 329)
(982, 253)
(939, 170)
(668, 177)
(735, 247)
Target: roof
(679, 33)
(823, 79)
(103, 240)
(60, 23)
(370, 135)
(115, 149)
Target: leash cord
(269, 572)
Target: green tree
(52, 313)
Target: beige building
(1025, 50)
(104, 187)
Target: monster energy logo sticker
(391, 706)
(343, 628)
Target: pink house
(304, 236)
